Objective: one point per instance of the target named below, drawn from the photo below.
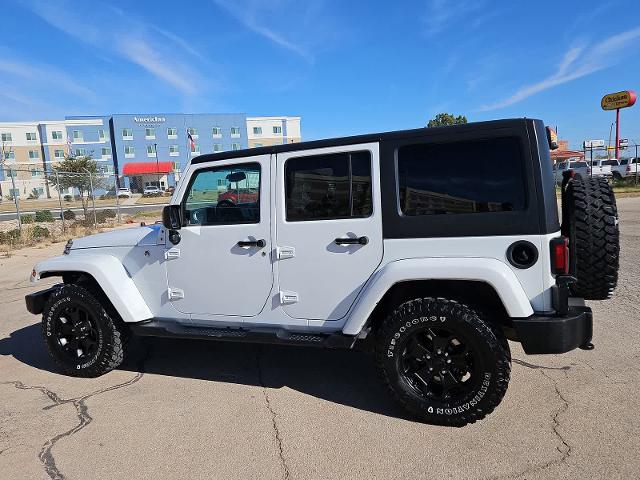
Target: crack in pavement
(274, 423)
(82, 412)
(533, 366)
(564, 448)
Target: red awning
(564, 154)
(141, 168)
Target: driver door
(221, 265)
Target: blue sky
(346, 67)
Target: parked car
(124, 193)
(352, 239)
(580, 167)
(150, 190)
(628, 167)
(603, 168)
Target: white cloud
(577, 62)
(441, 14)
(247, 13)
(127, 37)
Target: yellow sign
(613, 101)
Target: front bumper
(36, 301)
(555, 334)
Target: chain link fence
(32, 195)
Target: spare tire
(590, 222)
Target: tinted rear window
(578, 165)
(610, 162)
(462, 177)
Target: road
(206, 410)
(130, 209)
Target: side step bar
(173, 329)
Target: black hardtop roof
(355, 139)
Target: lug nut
(448, 360)
(428, 357)
(439, 352)
(446, 354)
(431, 369)
(443, 372)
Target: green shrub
(39, 232)
(10, 237)
(26, 218)
(108, 213)
(44, 216)
(153, 195)
(68, 198)
(69, 215)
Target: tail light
(560, 256)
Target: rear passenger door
(329, 228)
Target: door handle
(352, 241)
(252, 243)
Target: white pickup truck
(603, 168)
(628, 167)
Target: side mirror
(172, 217)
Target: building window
(10, 155)
(257, 130)
(174, 151)
(216, 132)
(102, 136)
(127, 134)
(150, 133)
(56, 135)
(80, 152)
(129, 151)
(195, 149)
(217, 147)
(77, 136)
(151, 150)
(176, 166)
(6, 137)
(34, 154)
(235, 146)
(35, 172)
(31, 136)
(58, 153)
(106, 152)
(495, 183)
(277, 130)
(323, 187)
(10, 173)
(256, 145)
(172, 133)
(235, 131)
(193, 132)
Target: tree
(80, 173)
(444, 119)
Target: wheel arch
(104, 272)
(485, 284)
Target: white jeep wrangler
(329, 242)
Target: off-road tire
(109, 352)
(590, 222)
(490, 350)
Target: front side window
(224, 196)
(332, 186)
(462, 177)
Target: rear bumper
(36, 301)
(555, 334)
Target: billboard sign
(623, 142)
(593, 144)
(613, 101)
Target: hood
(126, 237)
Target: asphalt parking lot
(205, 410)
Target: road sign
(623, 142)
(614, 101)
